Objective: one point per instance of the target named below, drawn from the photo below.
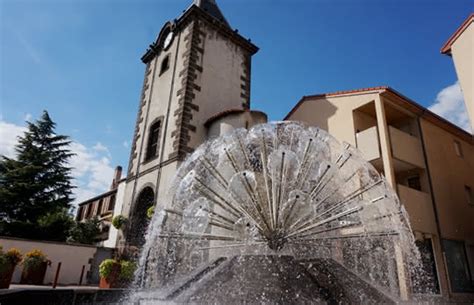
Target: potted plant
(35, 264)
(109, 271)
(119, 221)
(8, 261)
(115, 273)
(127, 271)
(150, 211)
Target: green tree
(35, 187)
(85, 232)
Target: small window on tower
(165, 64)
(153, 136)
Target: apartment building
(460, 46)
(426, 159)
(104, 207)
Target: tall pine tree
(37, 184)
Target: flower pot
(112, 281)
(34, 275)
(6, 277)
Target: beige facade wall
(449, 175)
(334, 114)
(113, 236)
(72, 258)
(462, 51)
(230, 122)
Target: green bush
(106, 267)
(119, 221)
(127, 270)
(56, 226)
(84, 232)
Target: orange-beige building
(426, 159)
(460, 46)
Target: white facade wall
(72, 258)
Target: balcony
(419, 208)
(407, 151)
(406, 148)
(368, 143)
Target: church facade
(197, 86)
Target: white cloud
(125, 144)
(100, 148)
(450, 105)
(28, 117)
(92, 171)
(9, 137)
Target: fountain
(281, 213)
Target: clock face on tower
(168, 40)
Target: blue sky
(80, 60)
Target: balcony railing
(368, 143)
(419, 208)
(406, 147)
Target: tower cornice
(222, 28)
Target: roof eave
(446, 48)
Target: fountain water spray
(279, 188)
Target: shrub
(55, 226)
(150, 212)
(85, 232)
(119, 221)
(34, 259)
(106, 267)
(127, 270)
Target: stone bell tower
(197, 69)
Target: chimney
(117, 176)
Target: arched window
(153, 137)
(139, 219)
(165, 64)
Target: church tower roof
(211, 7)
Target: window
(165, 64)
(469, 195)
(90, 207)
(414, 182)
(112, 203)
(79, 213)
(458, 267)
(152, 148)
(99, 207)
(458, 148)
